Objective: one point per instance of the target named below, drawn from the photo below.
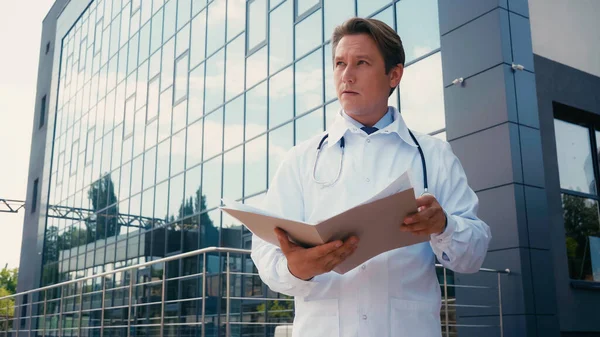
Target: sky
(20, 33)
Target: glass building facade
(165, 107)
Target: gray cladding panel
(459, 12)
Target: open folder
(376, 222)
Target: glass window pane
(256, 111)
(235, 66)
(336, 12)
(196, 94)
(309, 125)
(274, 3)
(149, 167)
(304, 5)
(368, 7)
(157, 31)
(281, 39)
(137, 166)
(309, 82)
(142, 86)
(211, 182)
(183, 40)
(198, 45)
(125, 180)
(582, 231)
(281, 97)
(153, 94)
(216, 26)
(161, 200)
(256, 68)
(330, 90)
(308, 34)
(170, 10)
(194, 144)
(422, 14)
(162, 160)
(257, 23)
(144, 43)
(213, 134)
(132, 62)
(197, 6)
(175, 197)
(155, 61)
(255, 177)
(281, 141)
(422, 95)
(129, 116)
(236, 17)
(168, 63)
(233, 173)
(192, 189)
(178, 152)
(573, 151)
(184, 9)
(215, 75)
(164, 114)
(181, 78)
(234, 123)
(148, 207)
(386, 16)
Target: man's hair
(387, 40)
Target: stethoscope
(343, 144)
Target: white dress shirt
(396, 293)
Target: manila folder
(376, 224)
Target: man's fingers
(339, 255)
(325, 249)
(422, 216)
(415, 227)
(284, 242)
(425, 200)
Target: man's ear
(395, 75)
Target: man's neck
(369, 119)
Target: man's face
(359, 75)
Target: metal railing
(59, 309)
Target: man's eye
(339, 63)
(362, 62)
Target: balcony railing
(225, 297)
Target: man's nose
(348, 76)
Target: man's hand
(306, 263)
(430, 218)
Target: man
(395, 293)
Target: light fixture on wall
(459, 80)
(517, 66)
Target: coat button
(364, 317)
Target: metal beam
(11, 206)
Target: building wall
(567, 32)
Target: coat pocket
(317, 318)
(414, 318)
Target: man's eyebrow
(363, 56)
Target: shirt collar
(344, 123)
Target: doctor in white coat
(395, 294)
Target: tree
(6, 308)
(581, 221)
(281, 310)
(106, 224)
(8, 279)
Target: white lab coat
(395, 294)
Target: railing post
(45, 308)
(228, 300)
(203, 327)
(500, 305)
(102, 306)
(6, 316)
(60, 309)
(446, 303)
(80, 310)
(18, 324)
(162, 300)
(30, 314)
(129, 304)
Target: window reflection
(387, 16)
(196, 93)
(157, 31)
(422, 14)
(281, 99)
(175, 197)
(257, 23)
(198, 44)
(168, 54)
(216, 26)
(194, 144)
(161, 200)
(137, 166)
(233, 173)
(574, 155)
(162, 160)
(309, 125)
(211, 182)
(256, 111)
(164, 114)
(181, 78)
(422, 95)
(214, 81)
(331, 111)
(281, 140)
(149, 167)
(582, 230)
(304, 5)
(170, 10)
(256, 68)
(144, 42)
(178, 152)
(234, 123)
(183, 40)
(236, 17)
(213, 134)
(192, 189)
(367, 7)
(255, 177)
(281, 38)
(308, 33)
(330, 90)
(309, 82)
(184, 9)
(235, 66)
